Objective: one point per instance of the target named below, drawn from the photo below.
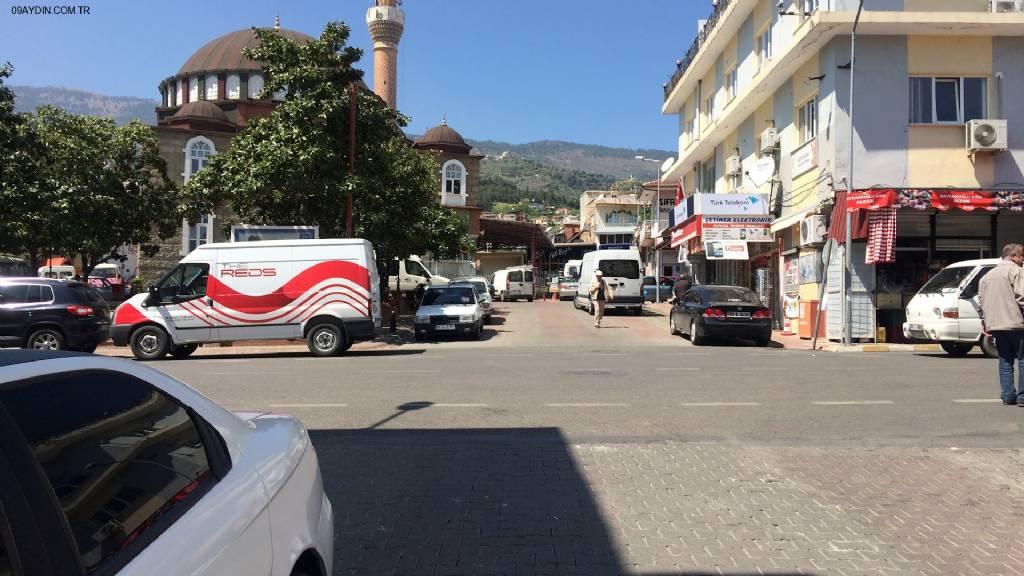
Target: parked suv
(50, 314)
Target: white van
(514, 283)
(622, 270)
(946, 309)
(572, 269)
(324, 291)
(63, 272)
(405, 274)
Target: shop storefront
(904, 237)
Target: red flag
(679, 190)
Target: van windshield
(947, 281)
(629, 269)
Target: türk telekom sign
(722, 205)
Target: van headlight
(422, 319)
(465, 318)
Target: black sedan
(721, 311)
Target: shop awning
(837, 228)
(937, 199)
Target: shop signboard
(938, 199)
(810, 268)
(726, 250)
(732, 204)
(792, 276)
(748, 228)
(805, 158)
(736, 234)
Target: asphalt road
(551, 447)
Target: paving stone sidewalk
(529, 502)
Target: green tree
(20, 204)
(292, 166)
(86, 187)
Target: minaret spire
(386, 22)
(277, 21)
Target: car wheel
(325, 340)
(956, 348)
(988, 346)
(529, 298)
(46, 339)
(672, 325)
(763, 340)
(696, 337)
(418, 337)
(478, 333)
(638, 311)
(150, 343)
(183, 351)
(487, 319)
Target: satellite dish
(763, 171)
(985, 134)
(667, 164)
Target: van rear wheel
(325, 340)
(956, 348)
(988, 347)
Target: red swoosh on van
(226, 296)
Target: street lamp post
(656, 258)
(848, 253)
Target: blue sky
(520, 70)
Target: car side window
(123, 459)
(691, 298)
(13, 294)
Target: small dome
(443, 138)
(201, 110)
(225, 52)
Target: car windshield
(629, 269)
(450, 295)
(947, 281)
(103, 273)
(724, 294)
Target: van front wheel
(956, 348)
(325, 340)
(150, 343)
(988, 346)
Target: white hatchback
(111, 467)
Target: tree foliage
(292, 166)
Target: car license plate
(738, 314)
(445, 327)
(917, 327)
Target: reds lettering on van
(249, 272)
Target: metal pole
(352, 101)
(848, 252)
(657, 253)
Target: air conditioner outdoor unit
(733, 166)
(813, 230)
(986, 135)
(1007, 6)
(769, 140)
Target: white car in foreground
(110, 467)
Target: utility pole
(352, 103)
(848, 253)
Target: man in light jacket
(1001, 295)
(600, 293)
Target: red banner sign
(925, 199)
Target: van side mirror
(154, 296)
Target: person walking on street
(683, 283)
(1001, 295)
(600, 293)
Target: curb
(904, 348)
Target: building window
(709, 109)
(181, 93)
(807, 120)
(197, 155)
(948, 100)
(706, 176)
(763, 47)
(454, 177)
(620, 218)
(731, 84)
(234, 87)
(281, 94)
(690, 128)
(211, 87)
(196, 232)
(807, 8)
(193, 89)
(255, 86)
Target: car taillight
(763, 314)
(951, 313)
(714, 313)
(80, 311)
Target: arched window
(255, 86)
(211, 86)
(234, 87)
(198, 151)
(454, 177)
(193, 88)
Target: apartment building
(763, 100)
(609, 218)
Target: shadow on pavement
(464, 501)
(303, 354)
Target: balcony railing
(702, 37)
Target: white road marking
(248, 373)
(853, 403)
(977, 401)
(511, 355)
(712, 404)
(602, 354)
(458, 405)
(678, 369)
(225, 360)
(587, 405)
(402, 371)
(763, 368)
(308, 405)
